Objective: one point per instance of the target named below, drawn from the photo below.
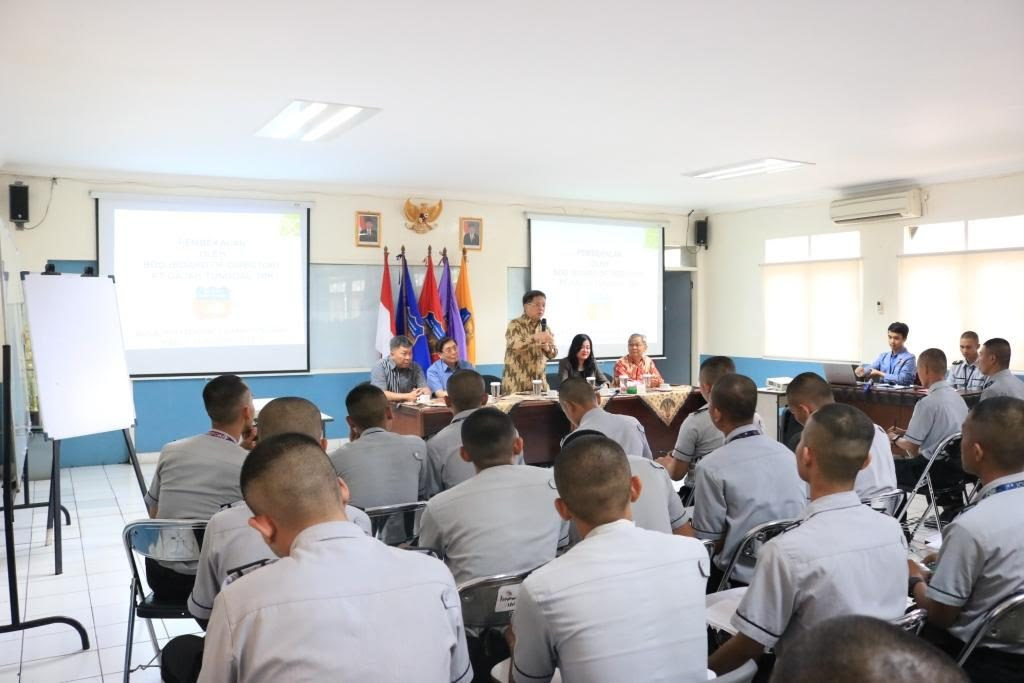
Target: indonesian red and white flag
(385, 313)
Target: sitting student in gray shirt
(981, 562)
(994, 362)
(445, 465)
(197, 476)
(379, 466)
(842, 558)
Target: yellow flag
(465, 300)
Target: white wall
(730, 317)
(69, 231)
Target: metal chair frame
(479, 596)
(912, 621)
(380, 514)
(890, 503)
(760, 534)
(134, 543)
(1006, 616)
(926, 480)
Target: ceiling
(577, 99)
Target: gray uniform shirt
(964, 375)
(880, 475)
(844, 558)
(196, 477)
(387, 377)
(445, 466)
(501, 521)
(1003, 383)
(750, 480)
(232, 548)
(622, 429)
(698, 436)
(383, 468)
(334, 609)
(981, 562)
(576, 612)
(658, 508)
(936, 416)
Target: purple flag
(450, 308)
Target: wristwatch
(912, 584)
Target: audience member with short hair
(807, 393)
(399, 376)
(445, 465)
(582, 612)
(842, 558)
(965, 373)
(936, 417)
(658, 506)
(751, 479)
(897, 365)
(698, 436)
(337, 602)
(580, 405)
(231, 548)
(380, 467)
(859, 649)
(994, 362)
(445, 366)
(197, 476)
(981, 562)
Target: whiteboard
(78, 355)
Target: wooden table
(889, 407)
(542, 424)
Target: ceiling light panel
(756, 167)
(314, 121)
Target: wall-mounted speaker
(700, 232)
(19, 203)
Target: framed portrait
(471, 233)
(367, 229)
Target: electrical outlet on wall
(879, 307)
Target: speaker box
(19, 203)
(700, 231)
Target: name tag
(507, 598)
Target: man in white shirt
(197, 476)
(842, 558)
(806, 394)
(625, 604)
(579, 403)
(338, 605)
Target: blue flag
(408, 320)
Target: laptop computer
(840, 373)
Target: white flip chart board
(78, 354)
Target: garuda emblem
(422, 217)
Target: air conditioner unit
(877, 207)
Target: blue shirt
(899, 368)
(439, 372)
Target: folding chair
(948, 449)
(890, 503)
(709, 546)
(382, 514)
(752, 542)
(489, 602)
(912, 621)
(163, 540)
(1004, 624)
(743, 674)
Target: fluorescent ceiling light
(757, 167)
(309, 121)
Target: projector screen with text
(602, 278)
(207, 286)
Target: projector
(778, 383)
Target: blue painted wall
(759, 369)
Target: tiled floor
(94, 587)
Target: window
(964, 276)
(812, 297)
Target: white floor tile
(114, 595)
(181, 627)
(55, 585)
(10, 651)
(57, 644)
(112, 658)
(120, 578)
(104, 615)
(46, 605)
(113, 635)
(66, 668)
(9, 673)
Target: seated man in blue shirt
(897, 365)
(445, 366)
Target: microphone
(543, 324)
